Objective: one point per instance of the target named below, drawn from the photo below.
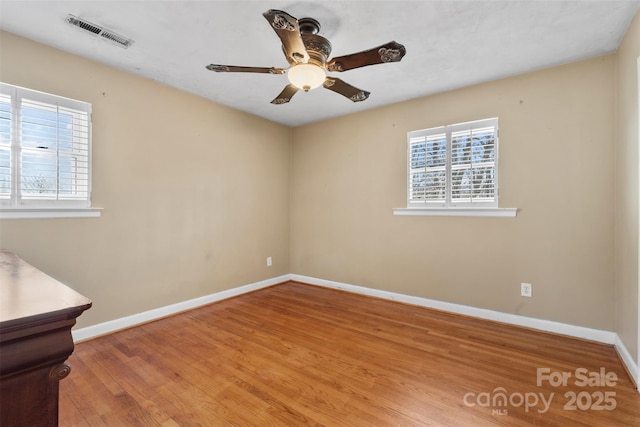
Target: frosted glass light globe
(306, 76)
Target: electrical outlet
(269, 261)
(526, 289)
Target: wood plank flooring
(295, 354)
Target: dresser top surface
(27, 293)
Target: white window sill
(490, 212)
(50, 213)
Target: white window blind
(5, 147)
(45, 150)
(454, 166)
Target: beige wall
(626, 247)
(195, 195)
(556, 166)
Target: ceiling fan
(307, 54)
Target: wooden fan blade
(345, 89)
(390, 52)
(286, 95)
(288, 30)
(239, 69)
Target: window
(454, 165)
(45, 150)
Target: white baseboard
(628, 361)
(482, 313)
(158, 313)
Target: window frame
(448, 206)
(56, 205)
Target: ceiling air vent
(97, 30)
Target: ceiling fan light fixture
(306, 76)
(308, 53)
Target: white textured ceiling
(450, 44)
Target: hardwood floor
(295, 354)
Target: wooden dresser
(36, 316)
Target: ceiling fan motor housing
(318, 48)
